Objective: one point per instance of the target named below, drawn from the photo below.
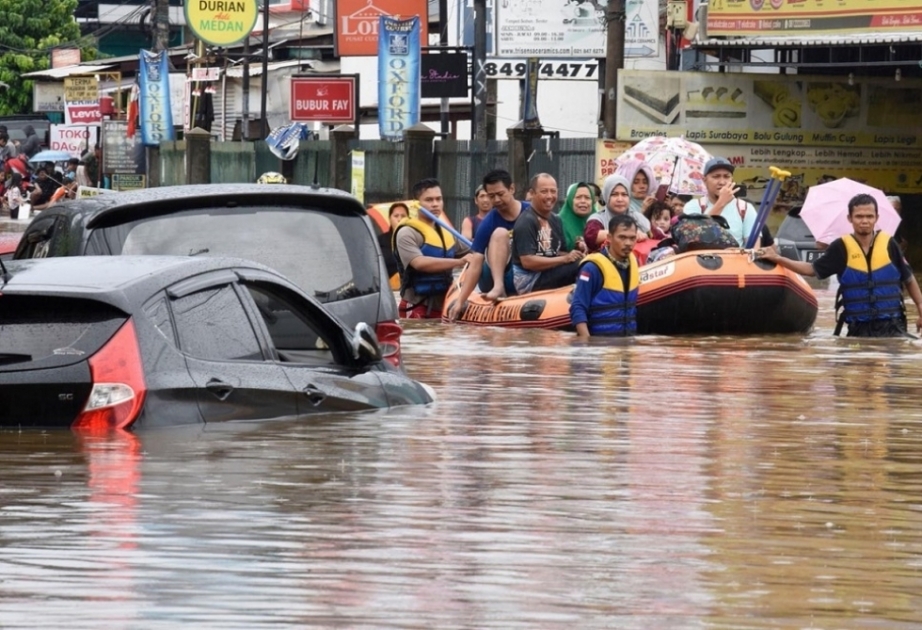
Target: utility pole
(614, 61)
(265, 77)
(161, 38)
(443, 41)
(479, 122)
(245, 88)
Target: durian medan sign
(221, 22)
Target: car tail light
(389, 341)
(118, 384)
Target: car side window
(212, 324)
(297, 338)
(37, 242)
(159, 314)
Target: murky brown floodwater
(667, 483)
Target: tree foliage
(29, 30)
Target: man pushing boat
(871, 272)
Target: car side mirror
(365, 344)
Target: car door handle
(314, 394)
(220, 389)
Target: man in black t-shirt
(44, 189)
(871, 271)
(540, 259)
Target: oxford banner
(154, 87)
(398, 76)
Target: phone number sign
(572, 70)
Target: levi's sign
(323, 99)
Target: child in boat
(660, 215)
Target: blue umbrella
(51, 156)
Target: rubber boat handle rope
(445, 226)
(768, 200)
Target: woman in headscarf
(576, 210)
(643, 187)
(616, 191)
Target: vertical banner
(154, 83)
(398, 76)
(358, 175)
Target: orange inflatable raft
(701, 292)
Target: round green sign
(221, 22)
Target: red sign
(324, 99)
(357, 23)
(82, 113)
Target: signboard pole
(479, 126)
(264, 83)
(443, 41)
(614, 61)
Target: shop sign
(221, 22)
(357, 23)
(323, 99)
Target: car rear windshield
(330, 256)
(41, 331)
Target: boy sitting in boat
(540, 259)
(605, 297)
(426, 256)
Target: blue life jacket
(613, 310)
(870, 287)
(437, 244)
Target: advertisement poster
(398, 76)
(563, 28)
(550, 28)
(121, 154)
(358, 175)
(711, 107)
(732, 18)
(606, 152)
(75, 139)
(357, 23)
(444, 75)
(892, 170)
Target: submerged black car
(102, 342)
(319, 238)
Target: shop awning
(807, 40)
(67, 71)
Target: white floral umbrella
(675, 161)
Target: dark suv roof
(105, 208)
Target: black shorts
(893, 327)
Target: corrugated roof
(60, 73)
(798, 41)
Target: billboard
(221, 22)
(732, 18)
(763, 109)
(357, 23)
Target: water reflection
(664, 483)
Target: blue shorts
(486, 279)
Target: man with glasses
(491, 266)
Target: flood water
(769, 482)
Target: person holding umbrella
(871, 272)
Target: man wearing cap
(721, 200)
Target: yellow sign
(606, 152)
(732, 18)
(221, 22)
(358, 175)
(749, 109)
(77, 89)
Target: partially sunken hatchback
(105, 342)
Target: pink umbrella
(825, 209)
(675, 161)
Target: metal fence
(458, 164)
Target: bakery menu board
(770, 109)
(733, 18)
